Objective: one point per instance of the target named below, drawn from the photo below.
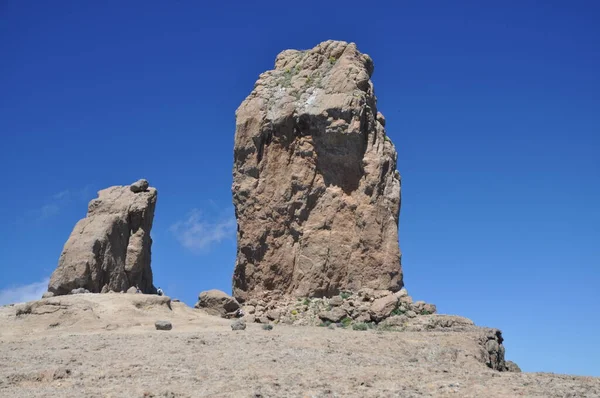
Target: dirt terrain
(106, 345)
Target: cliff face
(316, 191)
(110, 248)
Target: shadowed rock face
(110, 248)
(316, 191)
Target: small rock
(217, 302)
(47, 295)
(132, 290)
(273, 315)
(401, 293)
(429, 309)
(383, 307)
(163, 325)
(238, 324)
(336, 301)
(411, 314)
(363, 317)
(79, 291)
(139, 186)
(336, 314)
(262, 319)
(512, 367)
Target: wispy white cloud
(196, 233)
(56, 202)
(23, 293)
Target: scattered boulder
(132, 290)
(512, 367)
(139, 186)
(383, 307)
(238, 324)
(47, 295)
(110, 248)
(217, 302)
(336, 301)
(315, 180)
(163, 325)
(336, 314)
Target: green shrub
(294, 312)
(360, 326)
(332, 60)
(398, 311)
(325, 324)
(306, 301)
(345, 295)
(346, 322)
(266, 326)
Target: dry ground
(106, 346)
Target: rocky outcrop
(109, 250)
(217, 302)
(366, 305)
(316, 191)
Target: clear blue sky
(494, 110)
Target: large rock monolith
(315, 186)
(110, 249)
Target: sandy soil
(107, 346)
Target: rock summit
(315, 185)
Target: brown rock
(336, 301)
(217, 302)
(383, 307)
(336, 314)
(110, 248)
(316, 190)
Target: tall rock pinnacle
(110, 248)
(315, 186)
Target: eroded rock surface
(217, 302)
(316, 191)
(110, 248)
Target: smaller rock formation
(110, 248)
(217, 302)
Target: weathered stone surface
(132, 290)
(139, 186)
(217, 302)
(383, 307)
(512, 367)
(316, 191)
(110, 246)
(336, 314)
(163, 325)
(492, 350)
(47, 295)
